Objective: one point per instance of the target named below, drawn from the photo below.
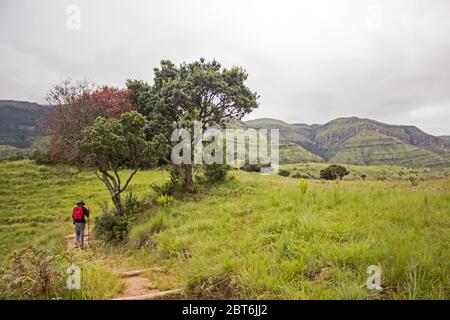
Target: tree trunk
(188, 182)
(117, 201)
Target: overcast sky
(311, 61)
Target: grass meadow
(252, 237)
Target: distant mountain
(20, 122)
(362, 142)
(343, 140)
(446, 140)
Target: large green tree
(114, 144)
(333, 172)
(200, 91)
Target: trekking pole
(88, 231)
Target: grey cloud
(310, 61)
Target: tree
(198, 91)
(75, 106)
(333, 172)
(364, 177)
(113, 144)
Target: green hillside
(294, 153)
(372, 172)
(371, 148)
(20, 122)
(344, 140)
(7, 151)
(363, 142)
(252, 237)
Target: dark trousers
(79, 234)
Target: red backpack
(78, 214)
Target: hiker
(78, 215)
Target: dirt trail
(136, 286)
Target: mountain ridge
(363, 141)
(347, 140)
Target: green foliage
(199, 91)
(253, 167)
(132, 204)
(216, 172)
(115, 143)
(164, 200)
(110, 226)
(41, 157)
(284, 172)
(112, 144)
(10, 153)
(334, 172)
(170, 187)
(297, 175)
(303, 186)
(414, 181)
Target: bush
(334, 172)
(164, 200)
(122, 227)
(33, 274)
(216, 172)
(104, 225)
(414, 181)
(41, 157)
(174, 185)
(132, 204)
(296, 175)
(284, 172)
(253, 167)
(111, 227)
(303, 185)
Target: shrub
(111, 227)
(414, 181)
(164, 200)
(32, 274)
(41, 157)
(122, 227)
(104, 225)
(132, 204)
(296, 175)
(303, 186)
(334, 172)
(216, 172)
(284, 172)
(254, 167)
(170, 187)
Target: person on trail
(80, 212)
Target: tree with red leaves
(75, 107)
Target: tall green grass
(36, 202)
(253, 236)
(260, 237)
